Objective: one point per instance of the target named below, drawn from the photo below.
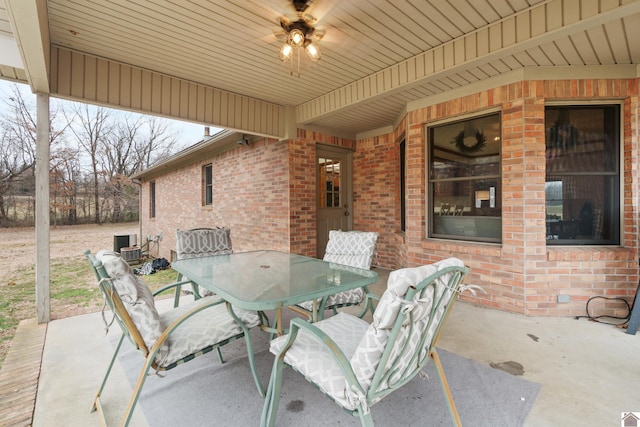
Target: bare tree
(89, 175)
(137, 142)
(134, 144)
(91, 125)
(12, 165)
(64, 177)
(159, 143)
(18, 148)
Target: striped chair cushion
(363, 344)
(397, 285)
(352, 249)
(316, 362)
(206, 328)
(367, 357)
(203, 242)
(137, 299)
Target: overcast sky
(188, 133)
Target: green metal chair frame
(358, 242)
(129, 330)
(210, 251)
(389, 374)
(368, 303)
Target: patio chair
(166, 339)
(356, 364)
(199, 242)
(350, 249)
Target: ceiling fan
(299, 34)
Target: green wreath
(481, 140)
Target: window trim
(403, 184)
(207, 187)
(152, 199)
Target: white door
(334, 193)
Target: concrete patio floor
(589, 372)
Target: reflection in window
(329, 181)
(582, 191)
(465, 179)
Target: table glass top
(262, 280)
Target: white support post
(43, 303)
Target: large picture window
(465, 196)
(583, 174)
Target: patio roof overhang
(216, 62)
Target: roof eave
(220, 142)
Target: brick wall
(303, 184)
(250, 196)
(303, 196)
(521, 274)
(376, 201)
(266, 194)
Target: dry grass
(72, 288)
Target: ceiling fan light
(285, 52)
(296, 37)
(312, 52)
(299, 35)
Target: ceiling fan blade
(318, 34)
(310, 20)
(301, 5)
(284, 21)
(280, 35)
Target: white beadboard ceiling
(379, 57)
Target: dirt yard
(18, 245)
(17, 258)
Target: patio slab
(589, 372)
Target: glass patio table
(271, 280)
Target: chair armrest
(368, 305)
(330, 344)
(172, 285)
(180, 320)
(370, 294)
